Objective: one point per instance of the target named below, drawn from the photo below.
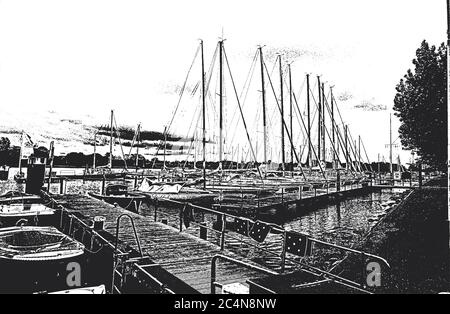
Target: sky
(82, 58)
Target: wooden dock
(179, 253)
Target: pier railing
(288, 194)
(125, 265)
(213, 225)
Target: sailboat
(119, 194)
(103, 171)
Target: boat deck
(181, 254)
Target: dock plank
(180, 253)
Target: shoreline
(413, 238)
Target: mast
(319, 122)
(391, 169)
(346, 146)
(323, 124)
(20, 153)
(220, 103)
(359, 151)
(95, 150)
(165, 147)
(138, 137)
(332, 128)
(309, 120)
(203, 116)
(111, 135)
(263, 105)
(290, 120)
(283, 159)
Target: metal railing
(68, 221)
(224, 233)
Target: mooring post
(327, 187)
(282, 195)
(222, 235)
(103, 184)
(156, 210)
(315, 191)
(338, 181)
(61, 185)
(135, 181)
(182, 209)
(283, 253)
(203, 231)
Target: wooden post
(182, 209)
(338, 181)
(203, 231)
(61, 185)
(222, 235)
(156, 210)
(283, 253)
(103, 184)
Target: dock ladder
(122, 263)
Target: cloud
(345, 96)
(291, 53)
(370, 105)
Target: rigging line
(179, 101)
(245, 88)
(285, 126)
(368, 160)
(159, 147)
(326, 130)
(132, 142)
(340, 136)
(183, 89)
(247, 81)
(312, 146)
(266, 84)
(354, 148)
(120, 142)
(242, 114)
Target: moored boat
(175, 192)
(119, 194)
(29, 214)
(12, 197)
(34, 259)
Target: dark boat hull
(130, 202)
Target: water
(344, 223)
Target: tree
(421, 105)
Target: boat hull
(36, 259)
(200, 198)
(130, 202)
